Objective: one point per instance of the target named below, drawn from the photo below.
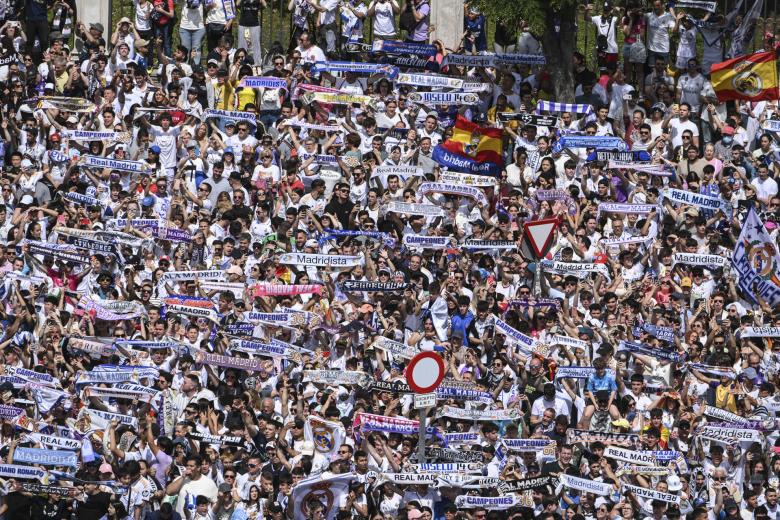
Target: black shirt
(18, 506)
(95, 506)
(250, 13)
(341, 211)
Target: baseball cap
(728, 130)
(154, 148)
(97, 26)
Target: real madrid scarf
(367, 286)
(408, 208)
(407, 48)
(263, 82)
(314, 260)
(429, 80)
(357, 68)
(453, 189)
(95, 161)
(328, 234)
(574, 435)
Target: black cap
(198, 69)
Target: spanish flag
(752, 78)
(476, 142)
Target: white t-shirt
(384, 19)
(607, 27)
(658, 32)
(678, 127)
(167, 143)
(311, 55)
(142, 22)
(192, 18)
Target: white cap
(673, 483)
(27, 199)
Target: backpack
(407, 22)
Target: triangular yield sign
(540, 234)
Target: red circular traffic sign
(425, 372)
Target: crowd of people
(219, 259)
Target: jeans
(251, 44)
(164, 32)
(192, 40)
(269, 117)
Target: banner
(429, 80)
(662, 333)
(197, 312)
(459, 163)
(651, 169)
(395, 348)
(581, 270)
(453, 189)
(652, 494)
(263, 82)
(46, 457)
(639, 458)
(274, 289)
(574, 435)
(696, 4)
(366, 286)
(585, 485)
(493, 245)
(447, 467)
(58, 442)
(489, 503)
(412, 478)
(724, 415)
(526, 344)
(327, 436)
(328, 491)
(492, 60)
(180, 276)
(598, 142)
(694, 199)
(252, 365)
(408, 48)
(574, 372)
(40, 489)
(443, 98)
(697, 259)
(728, 435)
(756, 260)
(230, 115)
(481, 181)
(356, 67)
(524, 484)
(546, 446)
(410, 208)
(85, 136)
(336, 377)
(479, 415)
(427, 242)
(453, 439)
(222, 440)
(337, 99)
(527, 119)
(22, 472)
(633, 209)
(716, 371)
(553, 106)
(760, 332)
(659, 353)
(447, 455)
(113, 164)
(314, 260)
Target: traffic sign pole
(424, 374)
(421, 441)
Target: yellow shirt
(223, 96)
(246, 96)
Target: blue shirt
(601, 383)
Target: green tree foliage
(554, 23)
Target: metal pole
(421, 442)
(538, 277)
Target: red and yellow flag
(474, 141)
(752, 77)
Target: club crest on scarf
(762, 257)
(323, 438)
(320, 492)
